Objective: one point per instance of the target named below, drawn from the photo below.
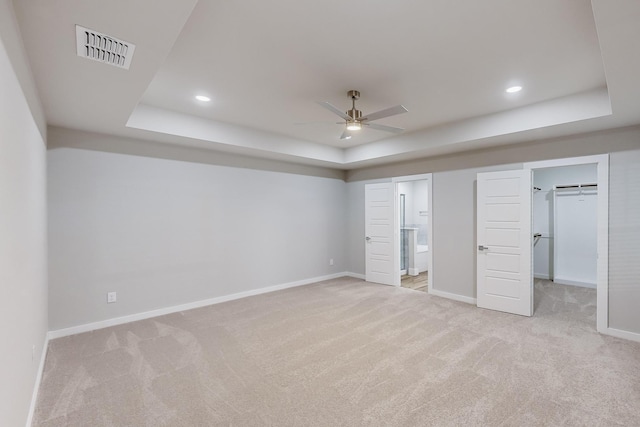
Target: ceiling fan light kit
(354, 120)
(354, 125)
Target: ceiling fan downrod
(354, 114)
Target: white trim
(354, 275)
(455, 297)
(413, 272)
(619, 333)
(183, 307)
(602, 296)
(420, 177)
(430, 266)
(36, 386)
(396, 224)
(602, 162)
(569, 161)
(541, 276)
(561, 281)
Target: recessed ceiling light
(203, 98)
(514, 89)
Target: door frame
(396, 225)
(602, 278)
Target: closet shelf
(572, 186)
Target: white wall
(421, 203)
(23, 264)
(454, 204)
(406, 188)
(543, 211)
(162, 233)
(417, 199)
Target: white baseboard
(355, 275)
(414, 272)
(619, 333)
(541, 276)
(188, 306)
(455, 297)
(36, 386)
(562, 281)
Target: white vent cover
(103, 48)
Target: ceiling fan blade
(346, 134)
(384, 128)
(398, 109)
(334, 109)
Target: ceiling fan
(354, 120)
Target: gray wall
(454, 235)
(454, 229)
(164, 232)
(355, 232)
(58, 137)
(14, 48)
(453, 210)
(23, 263)
(624, 240)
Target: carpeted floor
(348, 353)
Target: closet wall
(575, 213)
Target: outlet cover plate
(111, 297)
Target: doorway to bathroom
(413, 231)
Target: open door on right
(504, 280)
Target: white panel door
(504, 279)
(378, 215)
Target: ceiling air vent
(103, 48)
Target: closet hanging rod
(577, 186)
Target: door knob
(482, 248)
(367, 238)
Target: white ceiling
(264, 64)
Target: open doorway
(505, 237)
(564, 222)
(413, 232)
(575, 259)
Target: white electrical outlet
(111, 297)
(331, 261)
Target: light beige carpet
(348, 353)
